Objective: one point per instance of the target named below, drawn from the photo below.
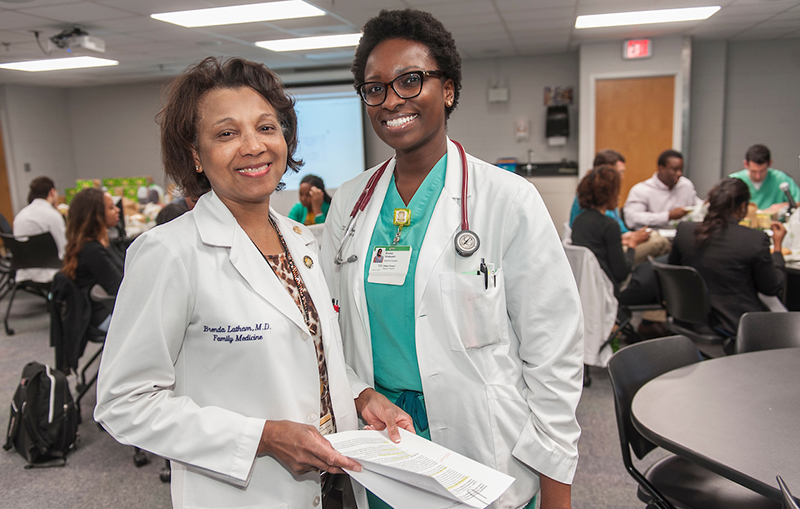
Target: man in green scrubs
(764, 182)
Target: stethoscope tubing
(369, 189)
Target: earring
(449, 103)
(197, 169)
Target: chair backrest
(788, 500)
(683, 292)
(764, 330)
(631, 368)
(598, 302)
(5, 227)
(33, 252)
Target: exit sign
(637, 48)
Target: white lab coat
(174, 379)
(501, 368)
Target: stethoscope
(466, 241)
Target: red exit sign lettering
(637, 48)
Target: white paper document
(418, 474)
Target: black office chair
(37, 252)
(765, 330)
(672, 482)
(788, 499)
(5, 226)
(71, 331)
(684, 294)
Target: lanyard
(466, 241)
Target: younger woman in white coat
(483, 350)
(223, 353)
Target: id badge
(389, 265)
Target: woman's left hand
(380, 413)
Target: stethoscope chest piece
(467, 242)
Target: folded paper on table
(418, 473)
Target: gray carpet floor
(100, 474)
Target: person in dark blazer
(734, 260)
(598, 191)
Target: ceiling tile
(16, 20)
(76, 12)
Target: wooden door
(5, 191)
(634, 116)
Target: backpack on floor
(44, 421)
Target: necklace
(298, 281)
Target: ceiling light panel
(308, 43)
(234, 14)
(645, 17)
(58, 64)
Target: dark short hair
(180, 115)
(758, 154)
(416, 26)
(667, 154)
(599, 188)
(607, 156)
(40, 187)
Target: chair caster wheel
(165, 475)
(140, 459)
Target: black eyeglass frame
(390, 84)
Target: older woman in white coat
(223, 353)
(471, 321)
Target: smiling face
(413, 124)
(671, 172)
(240, 146)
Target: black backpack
(44, 420)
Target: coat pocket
(476, 316)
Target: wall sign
(637, 48)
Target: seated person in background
(87, 260)
(617, 161)
(663, 197)
(764, 182)
(598, 191)
(647, 244)
(734, 260)
(40, 216)
(314, 202)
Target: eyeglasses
(406, 86)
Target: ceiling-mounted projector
(76, 38)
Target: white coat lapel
(445, 221)
(218, 227)
(365, 227)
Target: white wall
(487, 129)
(604, 61)
(36, 131)
(763, 103)
(114, 131)
(704, 161)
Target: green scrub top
(391, 307)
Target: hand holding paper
(418, 473)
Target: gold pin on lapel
(308, 261)
(297, 230)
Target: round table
(737, 416)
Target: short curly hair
(416, 26)
(180, 115)
(599, 188)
